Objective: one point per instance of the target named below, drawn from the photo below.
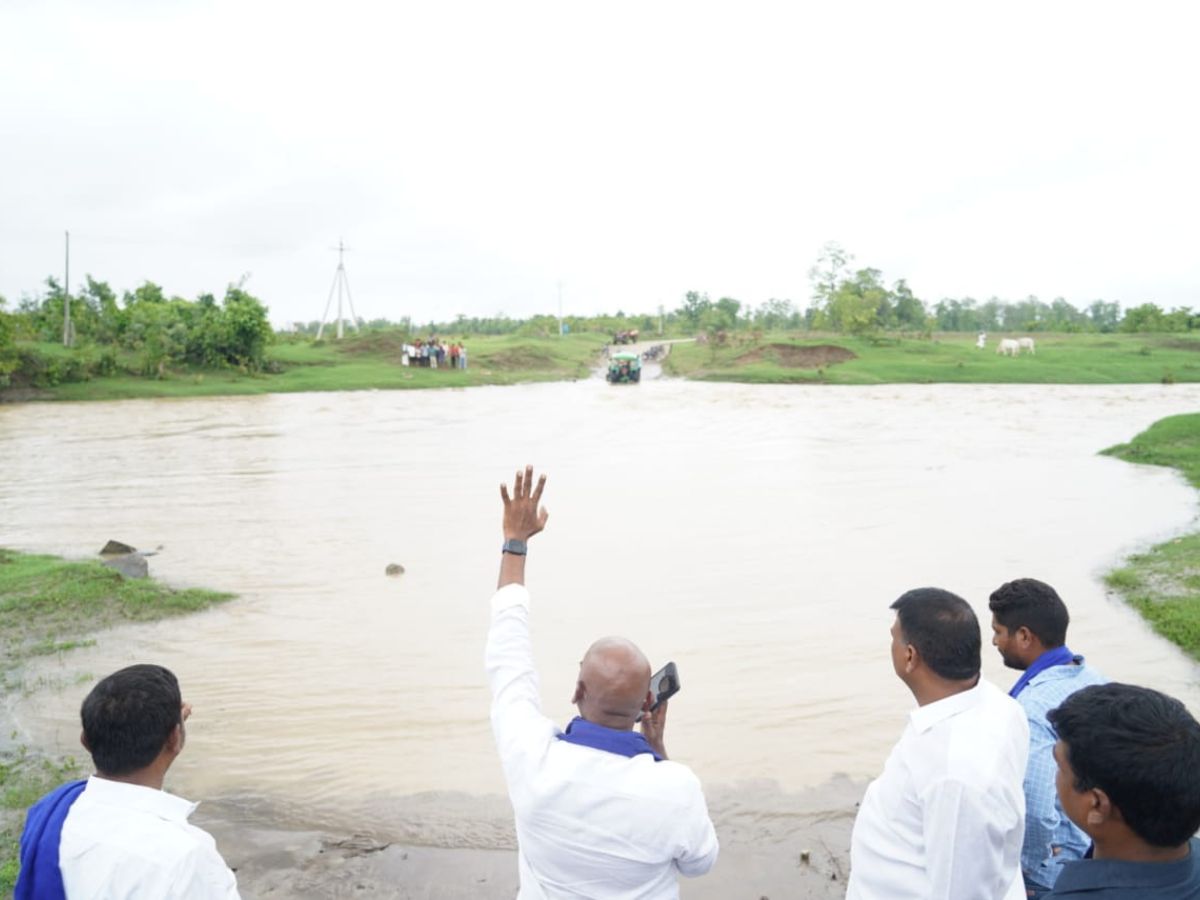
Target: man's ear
(648, 702)
(912, 658)
(1024, 636)
(580, 690)
(175, 740)
(84, 742)
(1100, 808)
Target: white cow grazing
(1025, 343)
(1008, 347)
(981, 341)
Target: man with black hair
(1029, 629)
(119, 834)
(1129, 776)
(944, 820)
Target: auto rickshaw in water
(624, 368)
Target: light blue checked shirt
(1046, 826)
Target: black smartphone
(664, 684)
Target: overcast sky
(475, 155)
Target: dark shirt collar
(612, 740)
(1132, 879)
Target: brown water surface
(753, 534)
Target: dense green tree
(910, 312)
(1146, 317)
(1104, 317)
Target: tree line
(143, 331)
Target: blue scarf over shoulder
(588, 734)
(1059, 656)
(40, 878)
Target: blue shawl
(40, 877)
(588, 734)
(1059, 656)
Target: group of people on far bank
(434, 352)
(1065, 786)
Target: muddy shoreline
(773, 845)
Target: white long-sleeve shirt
(135, 843)
(590, 824)
(946, 818)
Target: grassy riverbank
(49, 605)
(942, 358)
(371, 361)
(359, 362)
(1163, 583)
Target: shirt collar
(136, 796)
(613, 740)
(925, 717)
(1092, 874)
(1069, 670)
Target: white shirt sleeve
(203, 875)
(700, 840)
(964, 843)
(523, 733)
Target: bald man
(600, 811)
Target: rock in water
(116, 548)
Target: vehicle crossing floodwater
(753, 534)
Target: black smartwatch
(515, 547)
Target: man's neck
(934, 689)
(150, 777)
(1128, 847)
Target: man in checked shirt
(1029, 628)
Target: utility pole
(67, 335)
(340, 283)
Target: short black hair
(128, 717)
(1140, 747)
(1034, 604)
(943, 628)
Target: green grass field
(372, 361)
(1163, 583)
(49, 605)
(366, 362)
(1059, 359)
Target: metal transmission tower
(340, 284)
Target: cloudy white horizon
(475, 156)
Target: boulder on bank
(129, 565)
(116, 548)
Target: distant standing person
(1029, 629)
(944, 821)
(119, 834)
(600, 811)
(462, 355)
(1129, 777)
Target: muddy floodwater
(753, 534)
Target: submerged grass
(49, 605)
(1163, 583)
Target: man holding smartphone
(600, 811)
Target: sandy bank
(774, 845)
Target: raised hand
(522, 516)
